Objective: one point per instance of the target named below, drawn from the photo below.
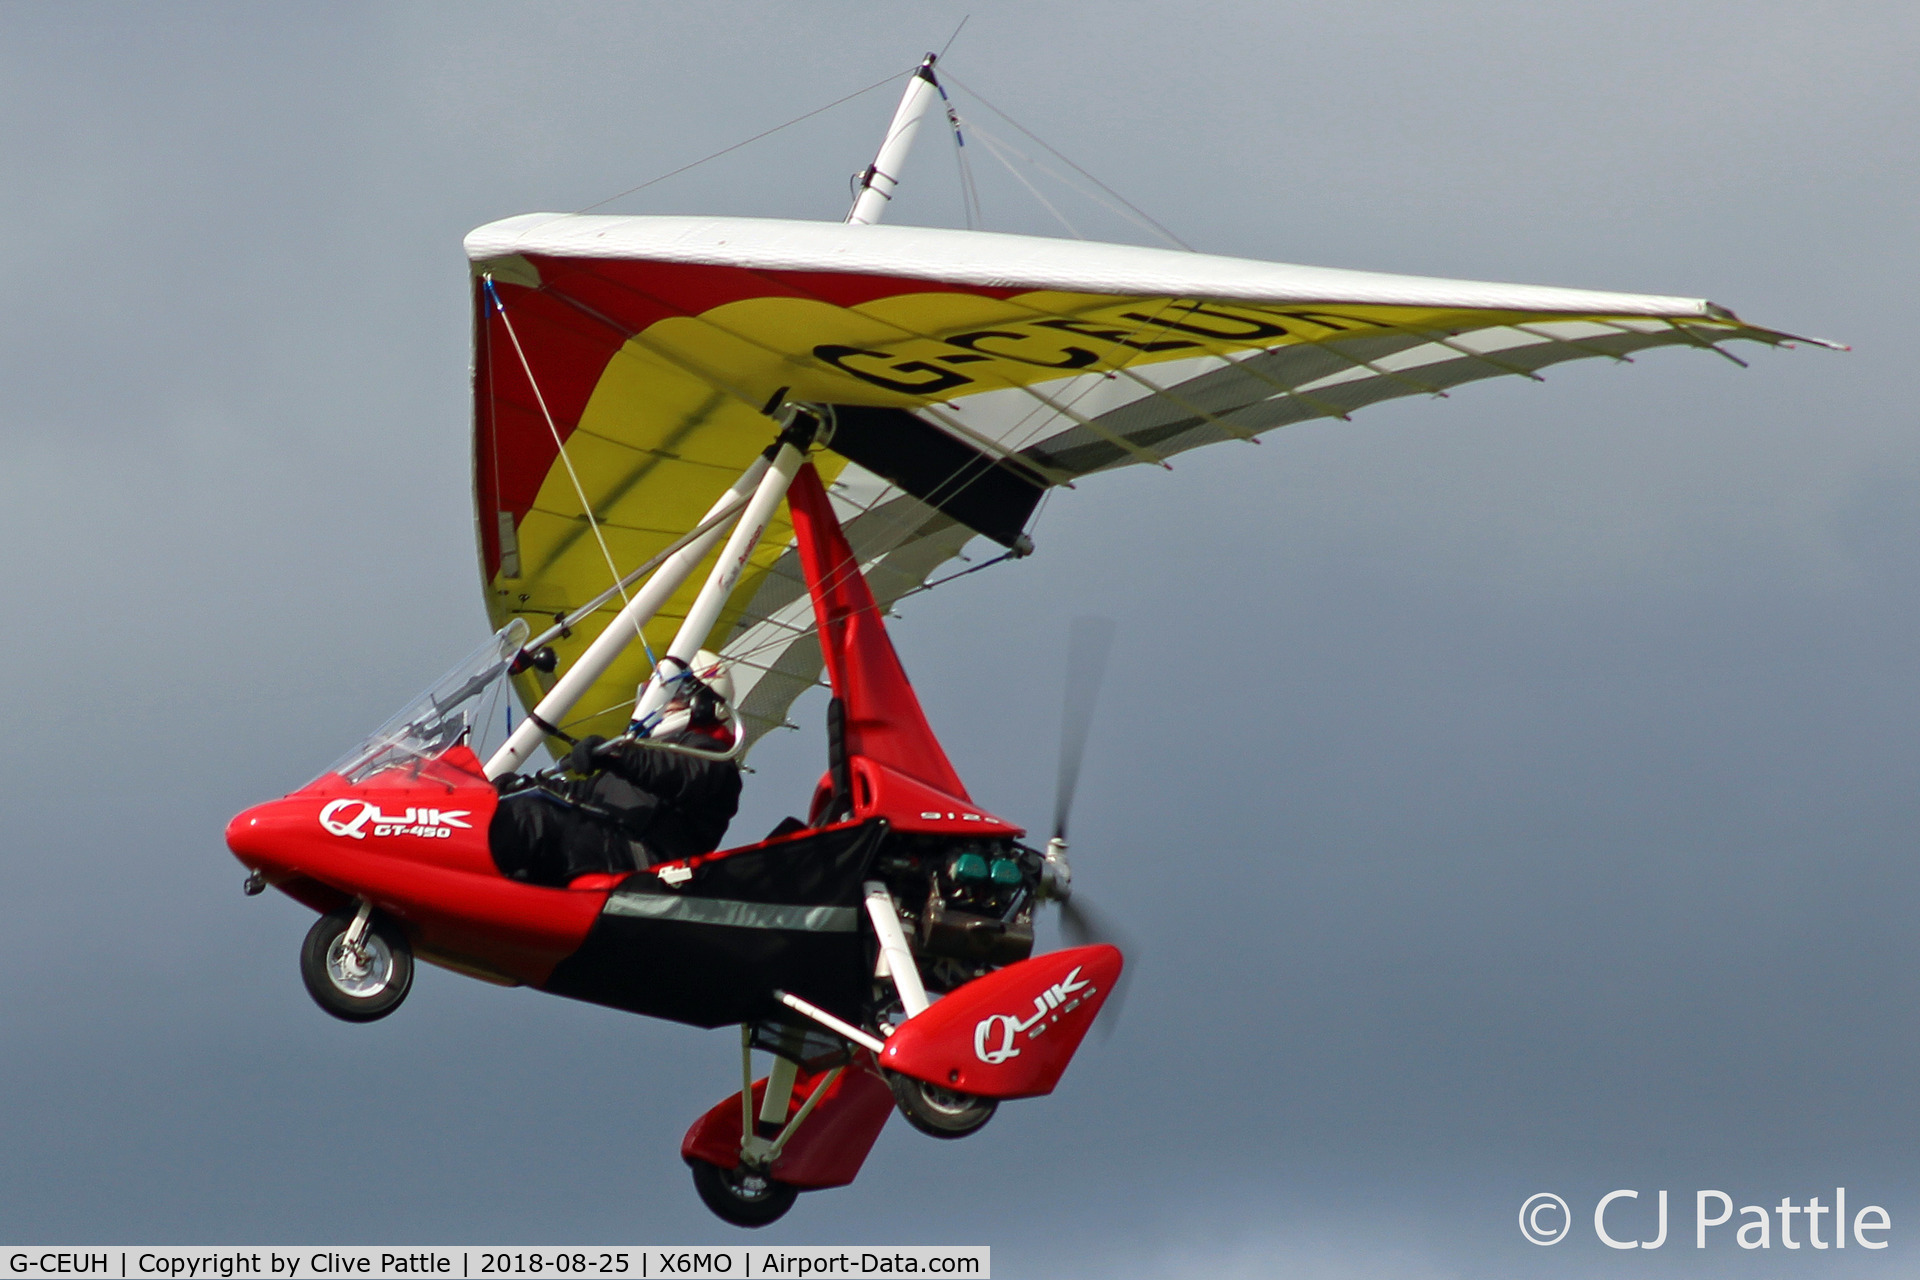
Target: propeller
(1089, 644)
(1081, 925)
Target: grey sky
(1508, 793)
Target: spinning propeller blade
(1089, 642)
(1082, 926)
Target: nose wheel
(357, 966)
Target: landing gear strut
(748, 1195)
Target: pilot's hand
(583, 758)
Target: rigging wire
(1154, 224)
(931, 583)
(862, 559)
(1120, 207)
(579, 491)
(894, 535)
(964, 19)
(969, 193)
(994, 150)
(674, 173)
(969, 196)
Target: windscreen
(469, 704)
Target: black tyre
(356, 988)
(742, 1196)
(941, 1113)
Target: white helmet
(719, 679)
(703, 692)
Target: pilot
(633, 803)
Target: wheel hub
(751, 1184)
(947, 1100)
(361, 971)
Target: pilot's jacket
(675, 805)
(640, 807)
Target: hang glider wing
(966, 372)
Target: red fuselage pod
(412, 840)
(1011, 1033)
(705, 941)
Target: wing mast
(877, 184)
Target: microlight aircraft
(822, 415)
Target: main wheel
(943, 1113)
(745, 1197)
(356, 987)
